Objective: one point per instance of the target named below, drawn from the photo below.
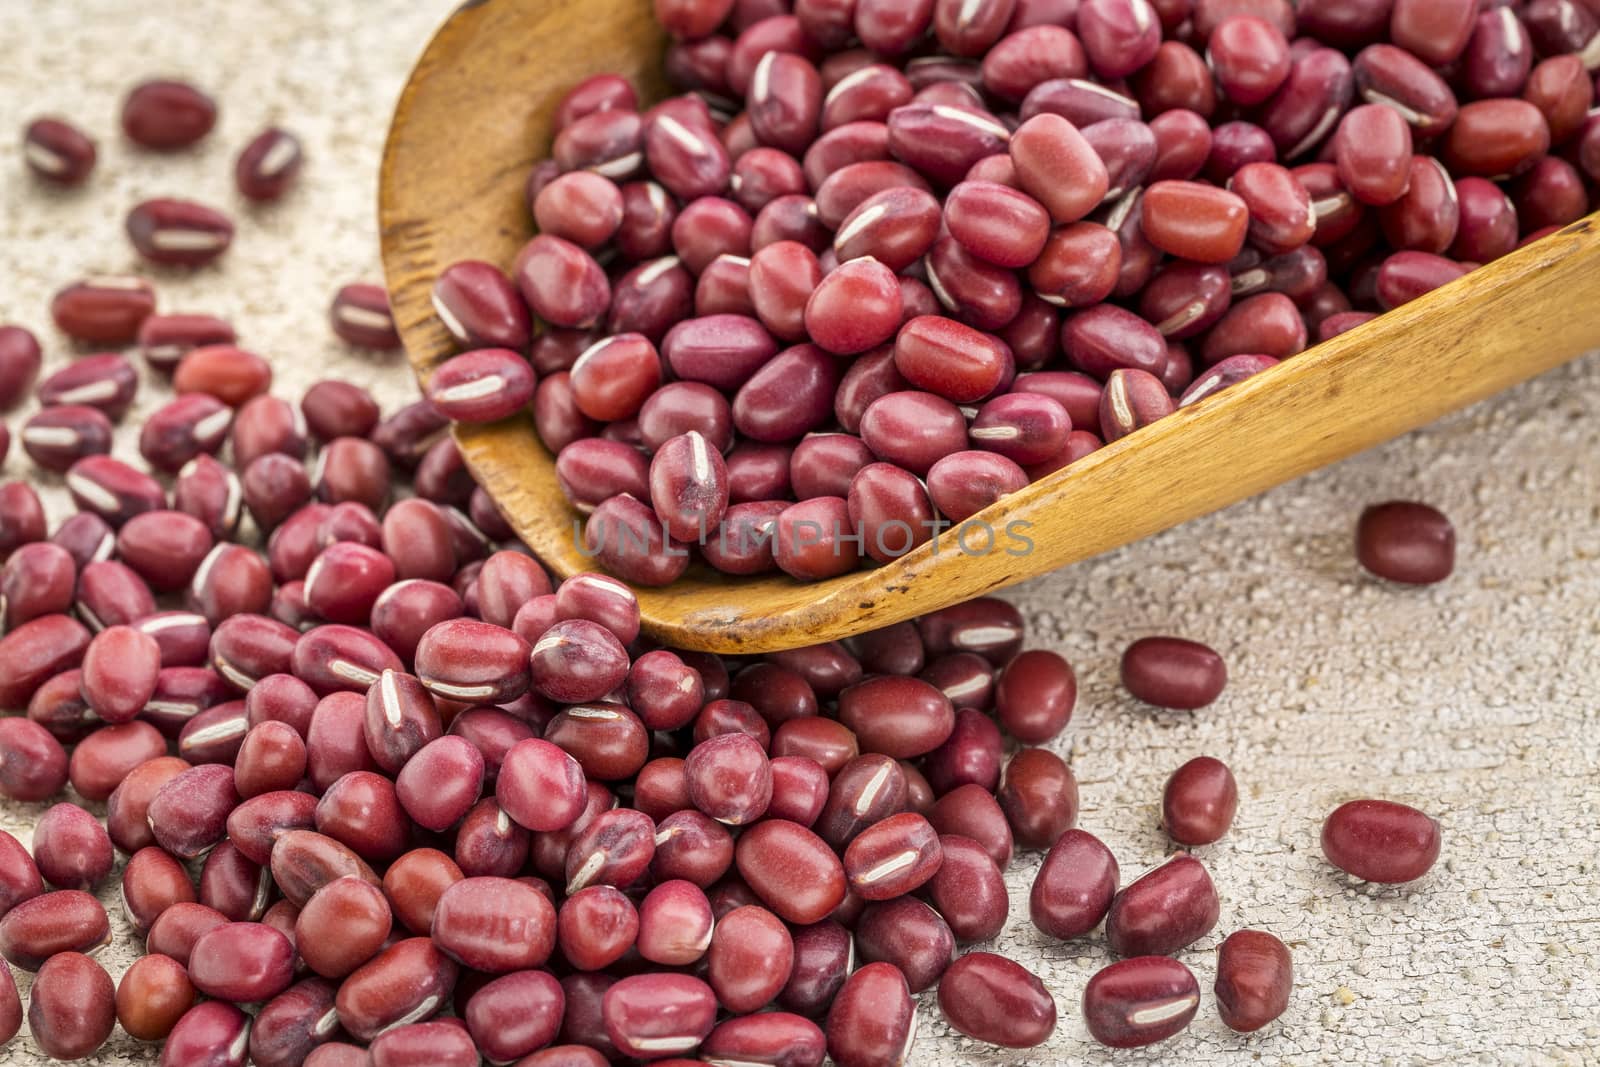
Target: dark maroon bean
(750, 959)
(1198, 803)
(359, 315)
(971, 811)
(1074, 887)
(111, 594)
(58, 151)
(791, 869)
(128, 806)
(970, 755)
(1035, 695)
(968, 889)
(1164, 910)
(165, 339)
(1171, 672)
(189, 813)
(103, 309)
(242, 962)
(1406, 542)
(167, 115)
(33, 765)
(995, 999)
(872, 1019)
(1254, 979)
(70, 1007)
(165, 548)
(822, 957)
(360, 810)
(614, 849)
(892, 857)
(513, 1015)
(410, 980)
(181, 232)
(656, 1015)
(900, 717)
(20, 358)
(152, 882)
(38, 579)
(1380, 841)
(19, 877)
(293, 1024)
(268, 165)
(106, 382)
(267, 424)
(71, 848)
(211, 493)
(68, 920)
(1039, 797)
(1140, 1001)
(909, 934)
(59, 436)
(22, 519)
(494, 924)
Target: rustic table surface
(1477, 700)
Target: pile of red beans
(382, 784)
(886, 261)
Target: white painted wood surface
(1478, 700)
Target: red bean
(655, 1015)
(152, 996)
(182, 232)
(1058, 167)
(1380, 841)
(58, 151)
(872, 1019)
(994, 999)
(411, 979)
(105, 382)
(1171, 672)
(1406, 542)
(1254, 978)
(70, 1007)
(1198, 803)
(167, 115)
(1164, 910)
(1139, 1002)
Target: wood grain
(475, 116)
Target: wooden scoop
(476, 115)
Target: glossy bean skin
(71, 1007)
(1381, 841)
(1140, 1001)
(872, 1019)
(38, 928)
(1039, 796)
(1074, 887)
(792, 870)
(653, 1015)
(1171, 672)
(152, 996)
(1255, 976)
(968, 889)
(994, 999)
(1163, 911)
(410, 980)
(1199, 801)
(1406, 542)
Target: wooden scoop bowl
(476, 115)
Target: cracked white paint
(1478, 700)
